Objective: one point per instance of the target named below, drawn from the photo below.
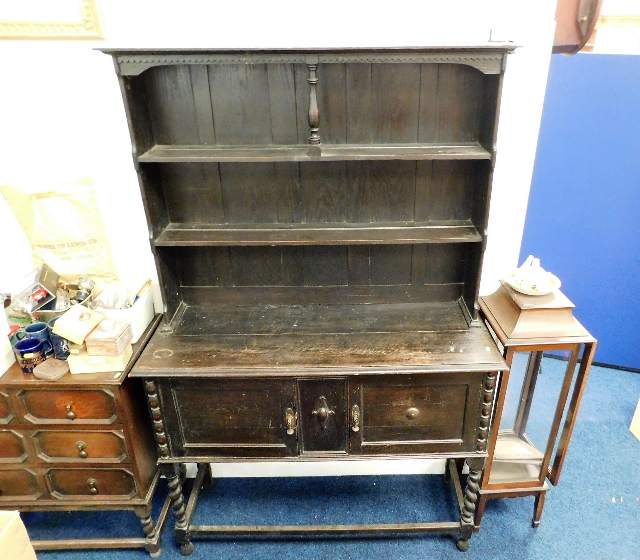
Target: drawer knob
(82, 449)
(412, 412)
(355, 418)
(70, 414)
(290, 421)
(92, 484)
(322, 411)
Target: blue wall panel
(584, 212)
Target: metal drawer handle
(322, 411)
(290, 421)
(70, 414)
(355, 418)
(82, 449)
(92, 484)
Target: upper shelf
(178, 235)
(323, 152)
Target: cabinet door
(323, 416)
(230, 418)
(430, 413)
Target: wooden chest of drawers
(82, 442)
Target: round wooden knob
(412, 412)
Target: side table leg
(537, 509)
(149, 529)
(471, 492)
(482, 504)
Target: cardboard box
(77, 323)
(109, 338)
(14, 541)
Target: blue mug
(41, 332)
(60, 345)
(29, 352)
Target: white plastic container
(139, 315)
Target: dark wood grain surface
(283, 339)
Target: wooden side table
(515, 467)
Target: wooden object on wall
(575, 24)
(318, 220)
(79, 443)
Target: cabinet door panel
(230, 418)
(416, 414)
(323, 416)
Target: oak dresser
(318, 220)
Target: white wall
(62, 117)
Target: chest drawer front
(80, 446)
(230, 418)
(98, 483)
(12, 447)
(5, 410)
(415, 414)
(19, 483)
(69, 406)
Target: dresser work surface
(318, 220)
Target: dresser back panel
(358, 103)
(365, 273)
(319, 192)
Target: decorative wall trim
(87, 26)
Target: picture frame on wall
(50, 19)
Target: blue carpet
(594, 513)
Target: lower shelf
(178, 234)
(511, 448)
(513, 472)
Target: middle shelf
(396, 233)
